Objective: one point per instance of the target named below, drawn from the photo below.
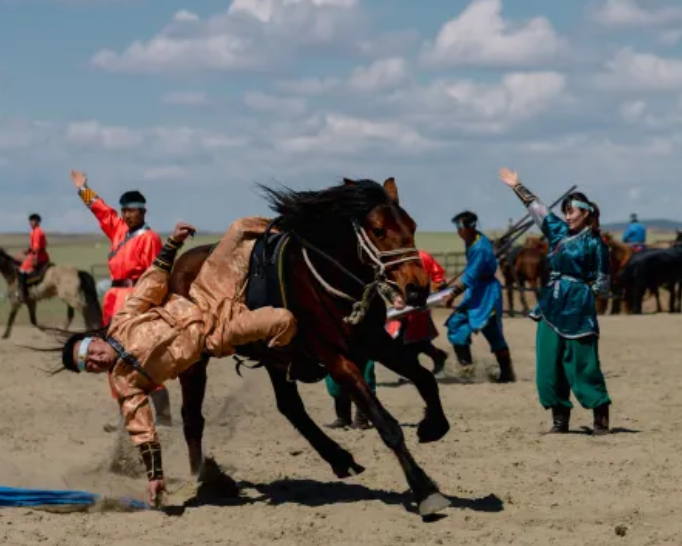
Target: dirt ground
(509, 483)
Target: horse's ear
(348, 182)
(391, 189)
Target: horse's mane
(322, 213)
(4, 255)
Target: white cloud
(93, 134)
(165, 172)
(186, 98)
(340, 134)
(670, 37)
(308, 86)
(481, 37)
(630, 13)
(283, 106)
(382, 75)
(250, 35)
(629, 70)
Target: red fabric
(420, 326)
(129, 263)
(37, 254)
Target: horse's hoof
(352, 469)
(431, 430)
(433, 504)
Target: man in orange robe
(134, 245)
(36, 255)
(417, 330)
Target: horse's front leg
(426, 493)
(384, 349)
(10, 320)
(193, 386)
(290, 404)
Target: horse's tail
(93, 310)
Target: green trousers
(335, 390)
(565, 365)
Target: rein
(380, 285)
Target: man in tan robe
(155, 337)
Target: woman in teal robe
(342, 402)
(567, 343)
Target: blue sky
(195, 103)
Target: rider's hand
(79, 179)
(510, 178)
(155, 490)
(182, 231)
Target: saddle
(37, 276)
(267, 286)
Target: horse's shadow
(314, 494)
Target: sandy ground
(509, 483)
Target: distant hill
(656, 224)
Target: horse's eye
(379, 232)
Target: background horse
(649, 270)
(75, 287)
(621, 255)
(523, 264)
(343, 244)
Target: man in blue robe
(635, 233)
(481, 308)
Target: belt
(123, 283)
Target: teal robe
(579, 270)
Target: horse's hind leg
(425, 491)
(290, 404)
(193, 386)
(31, 304)
(10, 320)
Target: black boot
(561, 416)
(342, 406)
(463, 353)
(22, 279)
(601, 420)
(360, 422)
(504, 360)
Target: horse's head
(389, 231)
(362, 225)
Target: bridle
(380, 285)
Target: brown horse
(525, 264)
(75, 287)
(343, 244)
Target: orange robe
(168, 334)
(131, 254)
(419, 326)
(37, 253)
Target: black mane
(316, 214)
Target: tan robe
(167, 335)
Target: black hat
(133, 200)
(35, 217)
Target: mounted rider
(635, 234)
(134, 245)
(36, 256)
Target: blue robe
(579, 269)
(635, 233)
(483, 294)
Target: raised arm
(551, 225)
(108, 218)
